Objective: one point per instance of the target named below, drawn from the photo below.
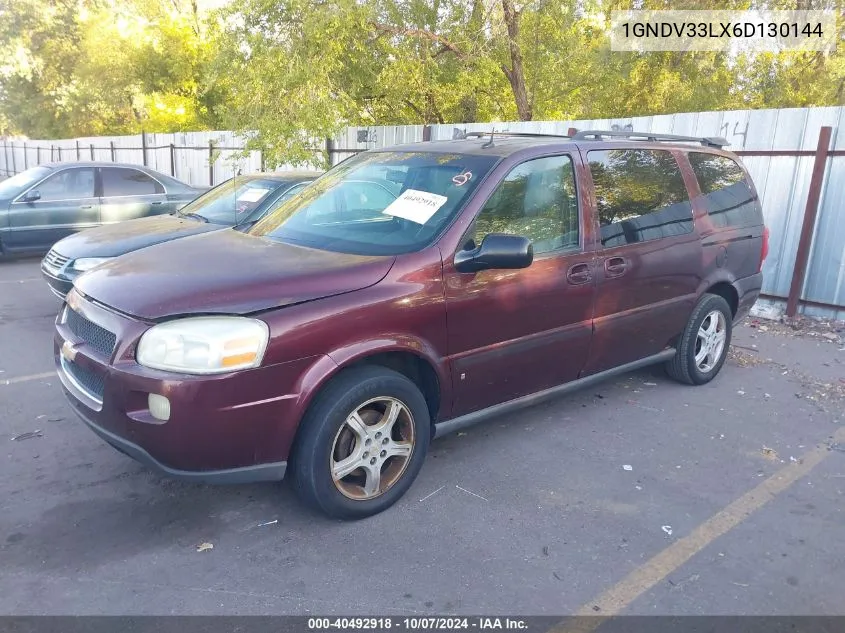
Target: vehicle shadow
(110, 509)
(118, 515)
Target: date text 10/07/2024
(417, 624)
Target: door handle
(579, 274)
(155, 203)
(615, 266)
(86, 206)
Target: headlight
(87, 263)
(204, 345)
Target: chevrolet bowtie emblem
(68, 351)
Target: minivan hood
(111, 240)
(225, 272)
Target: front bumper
(247, 474)
(224, 428)
(60, 283)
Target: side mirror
(32, 196)
(497, 250)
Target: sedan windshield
(17, 183)
(233, 201)
(378, 203)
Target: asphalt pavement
(639, 496)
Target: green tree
(88, 67)
(299, 70)
(39, 48)
(292, 72)
(152, 77)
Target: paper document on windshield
(416, 206)
(252, 195)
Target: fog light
(159, 407)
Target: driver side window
(68, 184)
(537, 200)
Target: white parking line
(12, 381)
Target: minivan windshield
(17, 183)
(233, 201)
(378, 203)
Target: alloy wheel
(710, 341)
(372, 449)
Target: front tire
(362, 443)
(703, 347)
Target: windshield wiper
(195, 216)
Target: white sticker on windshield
(252, 195)
(416, 206)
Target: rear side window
(640, 195)
(728, 196)
(128, 182)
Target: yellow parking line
(621, 595)
(12, 381)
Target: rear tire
(703, 347)
(362, 443)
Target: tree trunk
(516, 72)
(433, 112)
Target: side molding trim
(470, 419)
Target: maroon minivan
(407, 293)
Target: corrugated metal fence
(778, 146)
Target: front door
(514, 332)
(60, 205)
(649, 259)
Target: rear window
(729, 198)
(640, 195)
(128, 182)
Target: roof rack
(709, 141)
(498, 133)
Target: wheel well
(728, 293)
(414, 368)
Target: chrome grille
(90, 382)
(94, 335)
(55, 260)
